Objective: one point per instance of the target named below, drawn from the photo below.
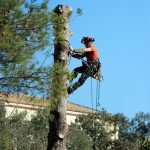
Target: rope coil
(96, 110)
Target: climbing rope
(93, 117)
(94, 114)
(98, 94)
(92, 96)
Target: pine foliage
(24, 30)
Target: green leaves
(79, 11)
(57, 86)
(24, 30)
(20, 133)
(113, 132)
(78, 139)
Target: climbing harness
(94, 69)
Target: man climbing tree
(89, 68)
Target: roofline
(40, 102)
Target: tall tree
(24, 30)
(57, 124)
(25, 27)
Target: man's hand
(81, 50)
(78, 56)
(71, 52)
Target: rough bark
(58, 125)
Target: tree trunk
(58, 127)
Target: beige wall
(31, 110)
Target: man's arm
(78, 56)
(82, 50)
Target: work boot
(70, 90)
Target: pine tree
(24, 30)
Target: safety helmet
(87, 39)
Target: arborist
(90, 67)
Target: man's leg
(77, 84)
(75, 72)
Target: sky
(121, 29)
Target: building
(15, 102)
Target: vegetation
(112, 132)
(18, 132)
(24, 30)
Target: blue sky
(122, 32)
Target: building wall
(11, 108)
(71, 116)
